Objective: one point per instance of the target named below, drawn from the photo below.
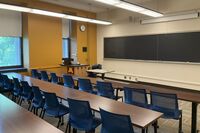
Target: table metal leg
(194, 118)
(103, 76)
(143, 130)
(117, 92)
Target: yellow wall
(45, 41)
(42, 36)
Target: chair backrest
(17, 86)
(37, 95)
(115, 123)
(26, 87)
(51, 100)
(105, 89)
(80, 113)
(35, 74)
(97, 66)
(68, 81)
(85, 85)
(44, 76)
(1, 80)
(54, 78)
(7, 83)
(135, 96)
(164, 102)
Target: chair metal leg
(143, 130)
(29, 106)
(43, 114)
(155, 125)
(19, 100)
(62, 120)
(59, 122)
(68, 128)
(74, 130)
(180, 124)
(91, 131)
(147, 130)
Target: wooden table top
(60, 72)
(140, 117)
(100, 71)
(182, 93)
(76, 65)
(15, 119)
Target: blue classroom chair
(68, 81)
(168, 105)
(37, 101)
(115, 123)
(80, 116)
(44, 76)
(53, 108)
(17, 89)
(35, 74)
(86, 85)
(136, 97)
(106, 89)
(27, 94)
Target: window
(10, 52)
(65, 47)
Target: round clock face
(82, 28)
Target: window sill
(14, 70)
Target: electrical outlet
(124, 77)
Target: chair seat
(85, 127)
(169, 114)
(5, 90)
(26, 96)
(17, 92)
(37, 104)
(57, 112)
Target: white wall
(65, 28)
(10, 23)
(178, 74)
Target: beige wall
(179, 74)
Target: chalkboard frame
(197, 33)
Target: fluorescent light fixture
(151, 13)
(100, 22)
(77, 18)
(109, 2)
(171, 18)
(52, 14)
(14, 8)
(131, 7)
(47, 13)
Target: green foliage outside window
(10, 51)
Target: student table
(182, 94)
(15, 119)
(99, 71)
(140, 117)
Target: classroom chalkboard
(178, 47)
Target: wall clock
(82, 28)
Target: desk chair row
(80, 113)
(165, 103)
(104, 89)
(161, 102)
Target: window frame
(69, 47)
(21, 55)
